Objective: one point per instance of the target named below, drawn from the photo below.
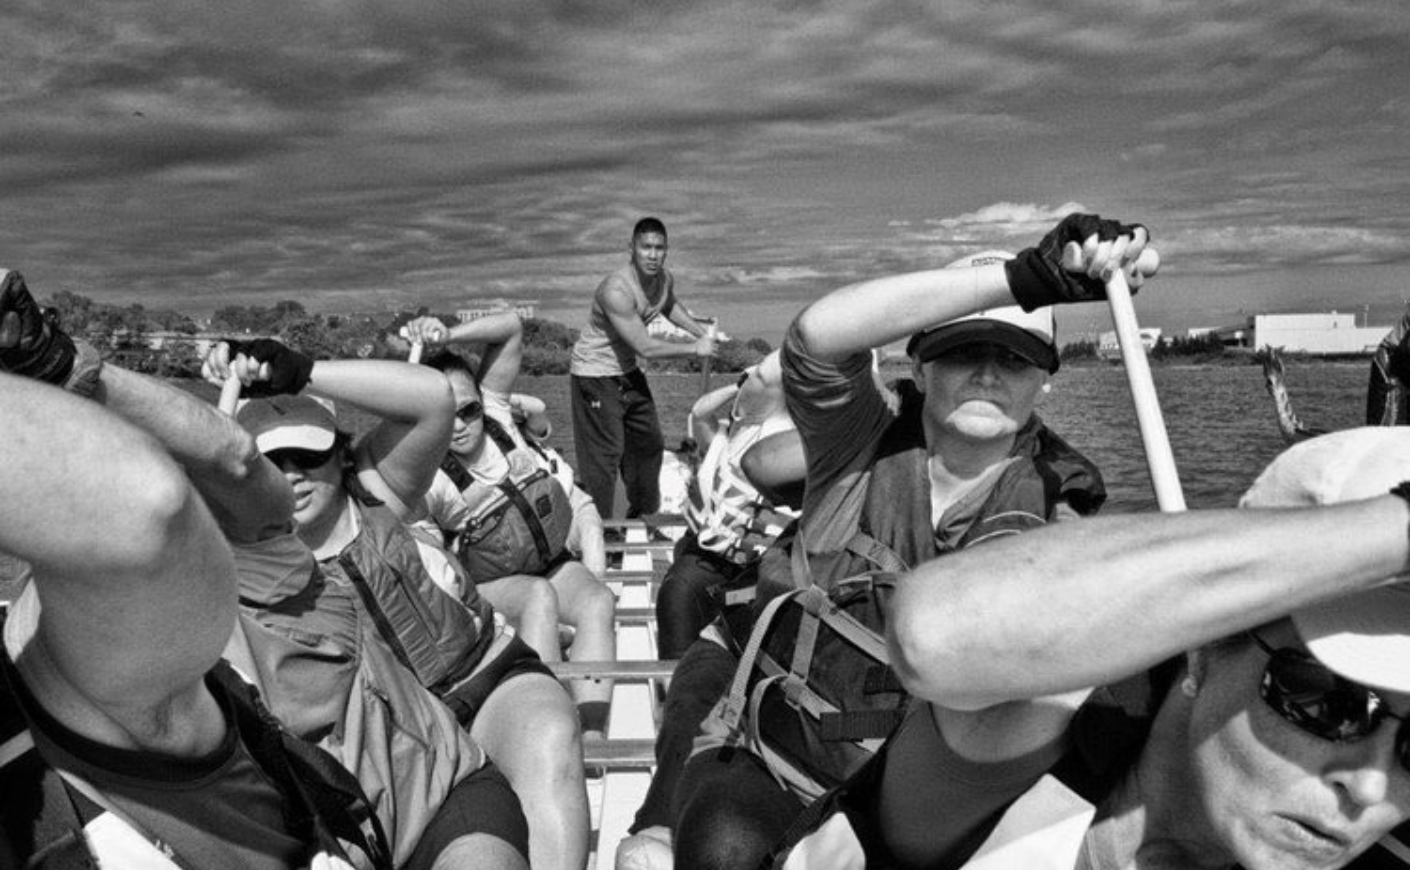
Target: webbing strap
(456, 472)
(881, 680)
(734, 701)
(859, 725)
(876, 553)
(531, 518)
(374, 610)
(814, 601)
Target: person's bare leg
(529, 728)
(585, 603)
(481, 851)
(530, 604)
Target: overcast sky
(376, 155)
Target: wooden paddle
(707, 363)
(1159, 457)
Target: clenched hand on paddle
(1086, 258)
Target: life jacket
(325, 671)
(434, 635)
(1043, 472)
(727, 514)
(1045, 826)
(522, 526)
(53, 820)
(814, 695)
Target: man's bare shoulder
(616, 294)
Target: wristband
(87, 369)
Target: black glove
(1036, 276)
(31, 342)
(289, 370)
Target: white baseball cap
(1364, 636)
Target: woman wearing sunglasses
(352, 498)
(1257, 667)
(489, 452)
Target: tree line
(125, 335)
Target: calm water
(1220, 420)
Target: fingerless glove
(289, 370)
(1036, 276)
(31, 342)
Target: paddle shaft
(1159, 457)
(706, 364)
(229, 395)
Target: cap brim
(1365, 637)
(1022, 342)
(301, 437)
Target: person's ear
(918, 374)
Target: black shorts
(482, 803)
(467, 697)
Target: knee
(715, 834)
(597, 604)
(541, 600)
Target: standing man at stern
(614, 415)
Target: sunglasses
(304, 460)
(1304, 692)
(981, 352)
(470, 411)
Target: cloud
(365, 155)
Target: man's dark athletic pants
(615, 428)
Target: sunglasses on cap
(1324, 704)
(470, 411)
(304, 460)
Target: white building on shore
(1330, 333)
(1322, 334)
(525, 310)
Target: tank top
(600, 351)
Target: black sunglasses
(304, 460)
(470, 411)
(1304, 692)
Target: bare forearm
(247, 495)
(877, 312)
(655, 348)
(1083, 604)
(387, 388)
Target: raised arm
(877, 312)
(681, 316)
(396, 458)
(709, 412)
(133, 578)
(616, 301)
(249, 497)
(1076, 605)
(500, 334)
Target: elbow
(238, 458)
(159, 514)
(927, 665)
(804, 333)
(910, 651)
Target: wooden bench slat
(641, 546)
(634, 753)
(621, 670)
(655, 521)
(635, 615)
(619, 575)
